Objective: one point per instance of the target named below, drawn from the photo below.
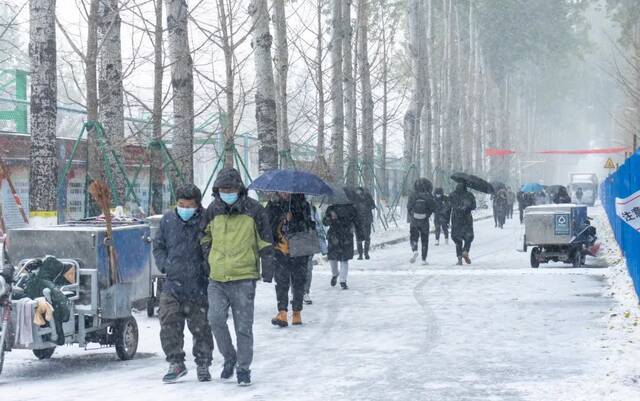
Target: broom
(102, 195)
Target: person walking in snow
(176, 251)
(511, 200)
(462, 204)
(420, 207)
(442, 215)
(561, 196)
(289, 214)
(237, 237)
(500, 207)
(365, 205)
(342, 220)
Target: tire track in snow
(432, 331)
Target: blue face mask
(186, 213)
(229, 198)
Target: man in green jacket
(237, 237)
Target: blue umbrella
(291, 181)
(532, 188)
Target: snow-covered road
(495, 330)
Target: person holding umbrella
(289, 214)
(462, 204)
(420, 207)
(342, 219)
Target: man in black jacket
(177, 253)
(442, 215)
(462, 204)
(420, 207)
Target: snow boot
(227, 370)
(367, 245)
(334, 281)
(244, 377)
(414, 257)
(459, 261)
(296, 319)
(344, 286)
(425, 263)
(465, 256)
(203, 373)
(359, 250)
(437, 242)
(280, 319)
(176, 371)
(307, 299)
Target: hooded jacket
(237, 237)
(300, 219)
(176, 250)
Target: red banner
(491, 152)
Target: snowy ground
(496, 330)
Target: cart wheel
(1, 357)
(151, 306)
(44, 353)
(126, 338)
(535, 263)
(577, 258)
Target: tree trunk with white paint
(110, 90)
(43, 175)
(281, 61)
(182, 85)
(266, 119)
(337, 97)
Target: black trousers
(173, 314)
(419, 233)
(290, 273)
(441, 226)
(463, 243)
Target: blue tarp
(622, 184)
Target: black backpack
(421, 209)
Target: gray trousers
(307, 283)
(341, 272)
(239, 296)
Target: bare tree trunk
(337, 98)
(384, 179)
(349, 94)
(182, 85)
(367, 96)
(228, 50)
(428, 115)
(43, 175)
(266, 118)
(320, 77)
(282, 66)
(94, 158)
(155, 168)
(111, 103)
(447, 135)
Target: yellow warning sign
(609, 164)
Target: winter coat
(365, 205)
(341, 230)
(562, 196)
(511, 197)
(300, 221)
(237, 236)
(177, 252)
(443, 209)
(421, 194)
(462, 204)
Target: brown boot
(466, 257)
(296, 319)
(280, 319)
(459, 261)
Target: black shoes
(227, 370)
(244, 377)
(334, 281)
(344, 286)
(203, 373)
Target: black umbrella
(341, 196)
(497, 185)
(473, 182)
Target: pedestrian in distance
(177, 254)
(237, 238)
(322, 240)
(342, 220)
(462, 204)
(289, 214)
(442, 215)
(511, 200)
(365, 205)
(500, 207)
(420, 206)
(561, 196)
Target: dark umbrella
(473, 182)
(341, 196)
(291, 181)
